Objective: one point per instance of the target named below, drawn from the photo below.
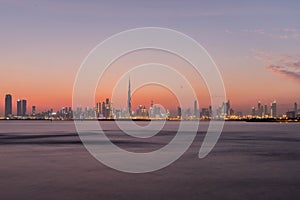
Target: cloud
(228, 31)
(280, 64)
(284, 34)
(290, 30)
(286, 71)
(256, 31)
(264, 56)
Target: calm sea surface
(46, 160)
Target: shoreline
(175, 120)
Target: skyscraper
(196, 109)
(103, 109)
(228, 108)
(129, 99)
(21, 107)
(273, 109)
(151, 110)
(8, 105)
(24, 107)
(266, 110)
(253, 112)
(179, 112)
(98, 109)
(259, 109)
(295, 108)
(225, 109)
(33, 110)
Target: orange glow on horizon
(156, 93)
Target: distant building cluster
(106, 110)
(21, 108)
(262, 111)
(24, 113)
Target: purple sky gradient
(255, 44)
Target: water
(44, 160)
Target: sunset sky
(255, 44)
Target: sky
(255, 44)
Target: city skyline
(144, 100)
(106, 110)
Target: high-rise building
(196, 109)
(24, 107)
(107, 109)
(21, 107)
(98, 109)
(33, 111)
(111, 110)
(228, 108)
(295, 108)
(210, 111)
(225, 109)
(273, 111)
(253, 111)
(142, 111)
(179, 113)
(129, 99)
(151, 110)
(266, 111)
(103, 109)
(8, 105)
(259, 109)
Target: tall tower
(228, 108)
(8, 105)
(274, 109)
(33, 110)
(98, 109)
(129, 99)
(24, 107)
(259, 110)
(266, 110)
(179, 112)
(103, 109)
(295, 108)
(21, 107)
(195, 108)
(253, 112)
